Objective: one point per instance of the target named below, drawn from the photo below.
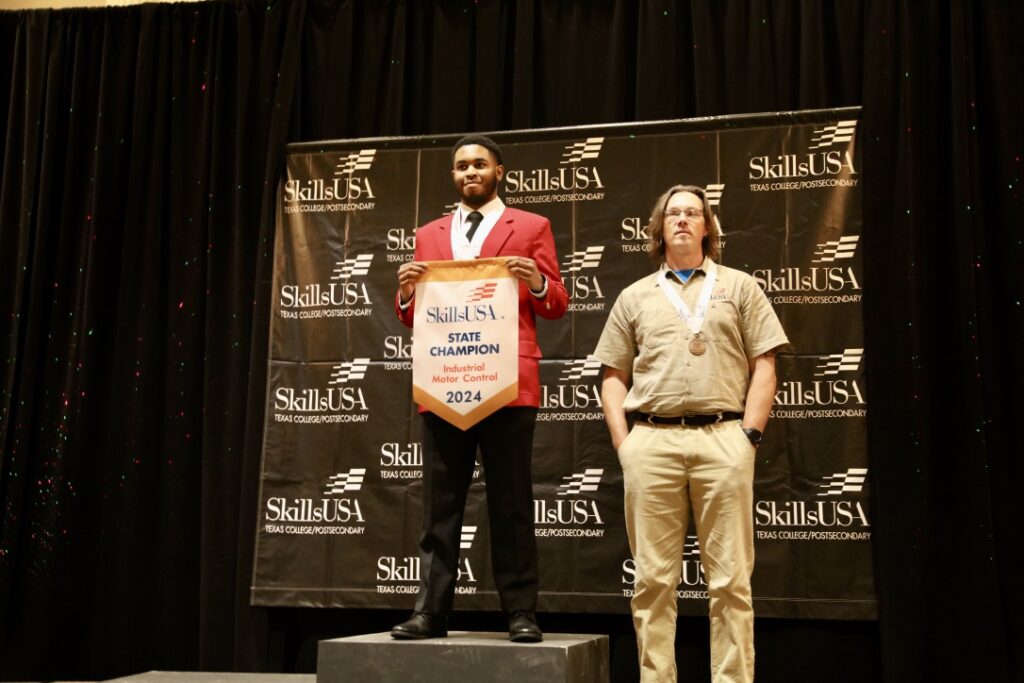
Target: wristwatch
(754, 435)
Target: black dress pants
(505, 440)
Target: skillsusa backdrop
(341, 491)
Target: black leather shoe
(522, 628)
(421, 625)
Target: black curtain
(141, 150)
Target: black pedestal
(464, 656)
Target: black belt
(686, 420)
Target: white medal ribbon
(693, 320)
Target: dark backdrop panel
(127, 188)
(810, 499)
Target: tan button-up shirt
(646, 337)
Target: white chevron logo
(467, 536)
(577, 152)
(356, 161)
(714, 193)
(349, 370)
(832, 364)
(581, 260)
(843, 248)
(850, 481)
(351, 267)
(582, 367)
(833, 134)
(345, 481)
(588, 480)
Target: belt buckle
(650, 419)
(718, 418)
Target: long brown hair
(711, 245)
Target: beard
(478, 194)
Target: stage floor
(208, 677)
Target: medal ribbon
(693, 320)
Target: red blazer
(517, 233)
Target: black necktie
(473, 219)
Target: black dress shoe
(522, 628)
(421, 625)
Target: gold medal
(697, 346)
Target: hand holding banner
(465, 348)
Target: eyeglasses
(692, 214)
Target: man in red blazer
(483, 227)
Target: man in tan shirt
(689, 354)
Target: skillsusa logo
(401, 575)
(586, 481)
(577, 369)
(401, 460)
(575, 395)
(397, 352)
(714, 192)
(578, 151)
(346, 269)
(404, 461)
(400, 244)
(633, 234)
(816, 284)
(575, 178)
(581, 260)
(850, 481)
(836, 250)
(342, 400)
(333, 514)
(584, 288)
(835, 134)
(347, 190)
(831, 388)
(345, 481)
(466, 537)
(342, 296)
(692, 583)
(354, 369)
(471, 311)
(572, 513)
(356, 161)
(832, 364)
(835, 512)
(815, 167)
(482, 292)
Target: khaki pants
(666, 471)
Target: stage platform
(208, 677)
(464, 656)
(468, 656)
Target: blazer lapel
(495, 241)
(444, 238)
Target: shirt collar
(702, 269)
(493, 206)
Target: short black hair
(481, 140)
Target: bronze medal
(697, 346)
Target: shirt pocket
(722, 323)
(657, 329)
